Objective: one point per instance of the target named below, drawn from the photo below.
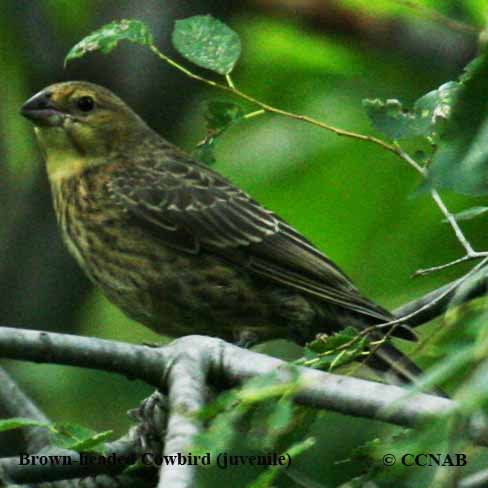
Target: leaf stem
(256, 113)
(453, 223)
(268, 108)
(448, 290)
(451, 219)
(229, 81)
(465, 258)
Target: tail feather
(388, 359)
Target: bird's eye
(85, 104)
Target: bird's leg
(246, 338)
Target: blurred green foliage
(474, 10)
(461, 162)
(353, 200)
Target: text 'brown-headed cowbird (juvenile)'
(177, 246)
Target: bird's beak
(42, 111)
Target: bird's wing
(190, 207)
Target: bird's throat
(62, 158)
(63, 166)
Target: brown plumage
(177, 246)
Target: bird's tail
(388, 359)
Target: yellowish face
(80, 124)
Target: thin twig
(409, 160)
(465, 258)
(229, 80)
(256, 113)
(451, 219)
(438, 298)
(393, 148)
(434, 301)
(453, 223)
(271, 109)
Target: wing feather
(191, 207)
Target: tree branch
(37, 473)
(183, 369)
(17, 404)
(438, 306)
(133, 361)
(186, 385)
(231, 364)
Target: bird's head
(82, 124)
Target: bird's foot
(151, 417)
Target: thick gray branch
(186, 386)
(133, 361)
(232, 365)
(172, 369)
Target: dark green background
(352, 199)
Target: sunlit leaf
(326, 343)
(79, 438)
(19, 422)
(331, 351)
(207, 42)
(107, 37)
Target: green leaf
(261, 406)
(219, 115)
(281, 416)
(470, 69)
(326, 343)
(266, 479)
(469, 214)
(389, 117)
(107, 37)
(19, 422)
(461, 160)
(79, 438)
(94, 443)
(363, 452)
(207, 42)
(396, 122)
(205, 151)
(330, 352)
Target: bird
(181, 249)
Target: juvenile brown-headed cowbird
(177, 246)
